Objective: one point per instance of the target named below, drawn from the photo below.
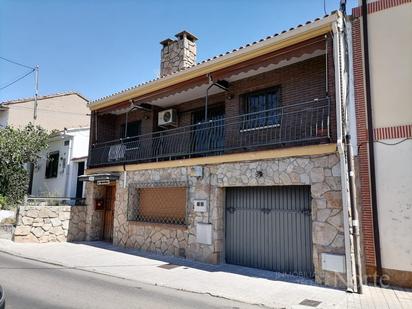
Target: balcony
(290, 125)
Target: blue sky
(98, 47)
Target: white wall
(81, 142)
(394, 193)
(80, 149)
(390, 45)
(54, 113)
(64, 185)
(43, 186)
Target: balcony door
(208, 137)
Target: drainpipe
(355, 215)
(341, 83)
(376, 234)
(69, 167)
(351, 134)
(207, 94)
(124, 176)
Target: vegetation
(18, 147)
(3, 201)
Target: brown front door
(108, 213)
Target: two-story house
(235, 159)
(382, 49)
(67, 115)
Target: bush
(17, 147)
(3, 202)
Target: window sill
(162, 225)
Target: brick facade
(379, 5)
(367, 227)
(361, 126)
(299, 82)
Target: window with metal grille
(158, 205)
(52, 165)
(261, 109)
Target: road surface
(37, 285)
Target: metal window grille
(157, 204)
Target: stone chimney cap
(186, 34)
(166, 42)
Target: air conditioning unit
(167, 118)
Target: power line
(16, 80)
(16, 63)
(395, 143)
(46, 110)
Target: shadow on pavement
(182, 262)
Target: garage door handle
(306, 212)
(265, 210)
(231, 209)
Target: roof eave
(45, 97)
(283, 40)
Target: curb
(95, 271)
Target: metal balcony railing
(290, 125)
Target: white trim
(340, 84)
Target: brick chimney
(178, 54)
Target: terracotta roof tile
(210, 59)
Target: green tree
(17, 147)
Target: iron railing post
(286, 125)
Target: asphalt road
(32, 284)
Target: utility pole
(36, 90)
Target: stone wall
(50, 224)
(94, 218)
(322, 173)
(177, 54)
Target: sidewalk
(233, 282)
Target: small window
(133, 129)
(157, 205)
(52, 165)
(261, 109)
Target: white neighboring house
(56, 173)
(68, 114)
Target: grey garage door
(270, 228)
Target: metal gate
(270, 228)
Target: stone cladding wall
(50, 224)
(321, 173)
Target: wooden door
(109, 213)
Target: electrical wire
(394, 144)
(16, 80)
(16, 63)
(385, 143)
(46, 110)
